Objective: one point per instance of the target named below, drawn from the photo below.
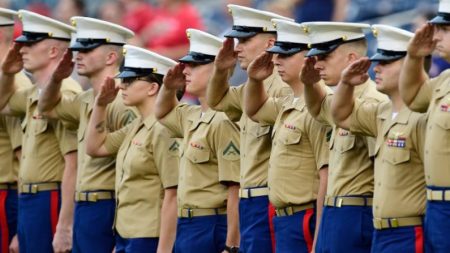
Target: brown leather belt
(196, 212)
(383, 223)
(291, 210)
(253, 192)
(348, 201)
(8, 186)
(39, 187)
(93, 196)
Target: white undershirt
(394, 115)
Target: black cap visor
(387, 55)
(128, 72)
(82, 44)
(328, 47)
(442, 18)
(287, 48)
(194, 57)
(245, 32)
(33, 37)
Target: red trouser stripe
(306, 231)
(419, 239)
(272, 230)
(54, 206)
(4, 222)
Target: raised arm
(223, 66)
(343, 100)
(51, 94)
(12, 64)
(167, 96)
(254, 93)
(413, 75)
(314, 93)
(96, 132)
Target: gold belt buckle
(34, 188)
(378, 223)
(93, 197)
(339, 202)
(393, 223)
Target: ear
(111, 58)
(54, 52)
(153, 89)
(351, 57)
(271, 42)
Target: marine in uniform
(10, 147)
(208, 186)
(423, 94)
(147, 157)
(350, 179)
(298, 165)
(98, 48)
(49, 150)
(399, 196)
(255, 33)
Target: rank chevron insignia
(231, 149)
(174, 146)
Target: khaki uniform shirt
(147, 163)
(399, 175)
(435, 96)
(255, 138)
(11, 139)
(350, 170)
(45, 141)
(210, 155)
(93, 174)
(299, 151)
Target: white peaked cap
(321, 32)
(36, 23)
(443, 16)
(202, 42)
(91, 28)
(245, 17)
(139, 58)
(7, 17)
(289, 31)
(392, 42)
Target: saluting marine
(422, 94)
(98, 48)
(399, 196)
(48, 164)
(147, 158)
(208, 184)
(298, 165)
(350, 179)
(255, 33)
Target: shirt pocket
(398, 168)
(346, 143)
(39, 126)
(259, 131)
(443, 121)
(197, 155)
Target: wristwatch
(232, 249)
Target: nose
(377, 68)
(187, 70)
(277, 60)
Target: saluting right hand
(64, 68)
(175, 79)
(309, 75)
(227, 57)
(422, 43)
(261, 67)
(356, 73)
(13, 64)
(108, 92)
